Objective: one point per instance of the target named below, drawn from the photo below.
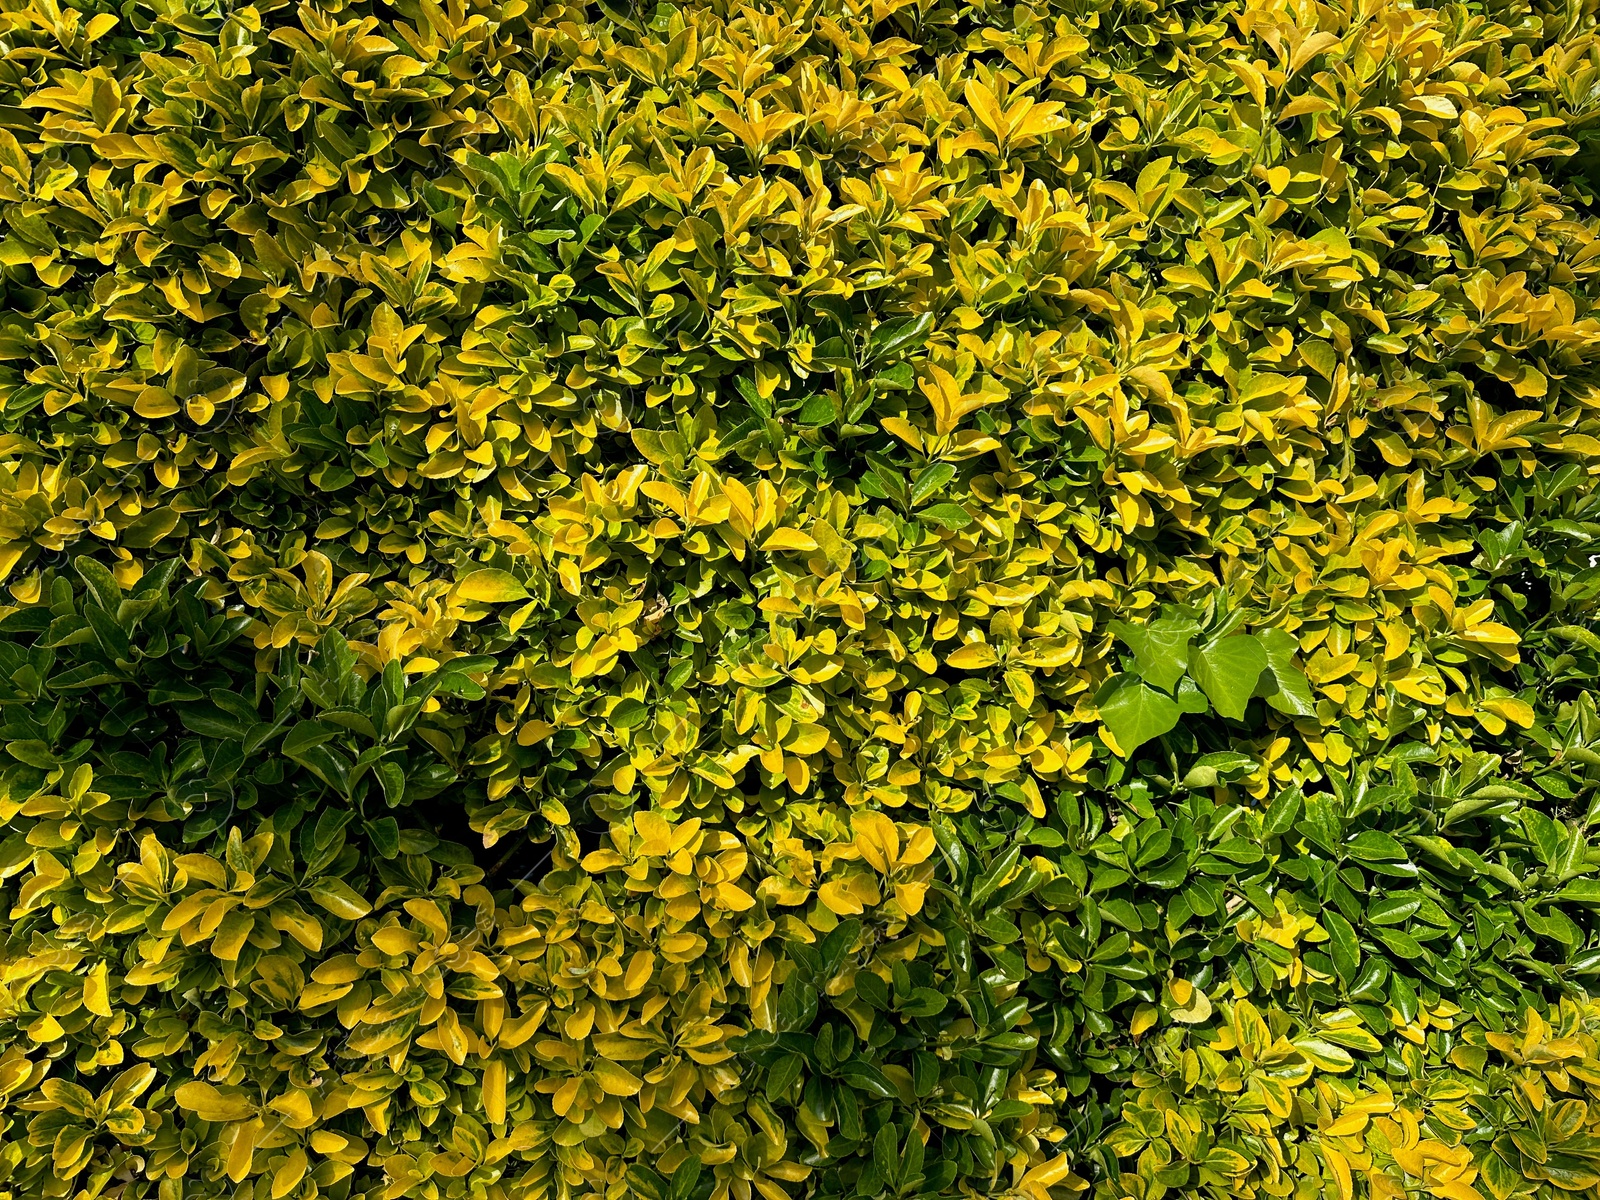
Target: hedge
(799, 600)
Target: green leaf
(1228, 670)
(209, 722)
(989, 882)
(1284, 684)
(1191, 699)
(305, 735)
(898, 336)
(1135, 712)
(1502, 1179)
(864, 1077)
(901, 377)
(1220, 764)
(149, 527)
(629, 714)
(1161, 648)
(947, 516)
(101, 583)
(816, 411)
(783, 1074)
(393, 782)
(385, 835)
(1582, 891)
(1375, 846)
(931, 480)
(1392, 910)
(685, 1178)
(1281, 814)
(885, 1153)
(924, 1002)
(1405, 947)
(1343, 945)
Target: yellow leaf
(295, 1106)
(840, 900)
(1190, 1005)
(909, 897)
(1046, 1175)
(209, 1104)
(241, 1153)
(339, 898)
(1491, 633)
(1028, 119)
(1257, 87)
(96, 996)
(986, 107)
(490, 586)
(428, 912)
(1512, 709)
(288, 1176)
(534, 732)
(806, 739)
(919, 847)
(904, 430)
(615, 1079)
(949, 403)
(1341, 1172)
(1350, 1123)
(328, 1143)
(974, 656)
(789, 539)
(1020, 684)
(155, 403)
(666, 494)
(494, 1091)
(1316, 44)
(1251, 1031)
(877, 839)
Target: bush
(799, 600)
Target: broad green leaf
(898, 336)
(1227, 672)
(1392, 910)
(947, 516)
(817, 410)
(1135, 712)
(1375, 846)
(1280, 816)
(1284, 684)
(930, 481)
(1161, 647)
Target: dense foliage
(799, 599)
